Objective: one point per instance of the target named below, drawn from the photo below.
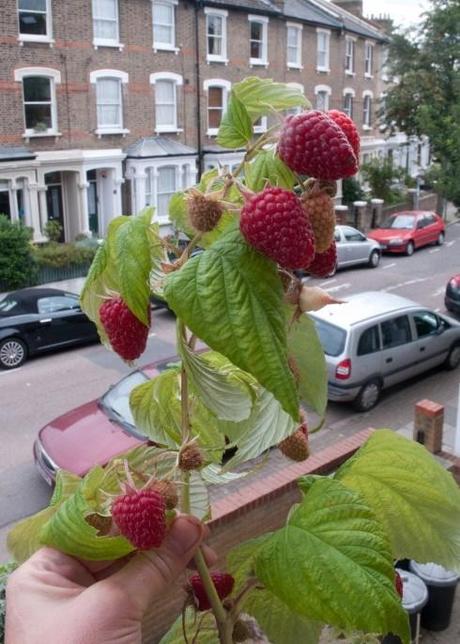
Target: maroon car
(403, 232)
(93, 433)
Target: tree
(17, 267)
(425, 99)
(381, 176)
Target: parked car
(403, 232)
(452, 296)
(93, 433)
(35, 320)
(377, 339)
(355, 248)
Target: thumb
(149, 574)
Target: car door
(357, 248)
(399, 353)
(62, 321)
(432, 344)
(341, 247)
(432, 228)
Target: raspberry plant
(332, 562)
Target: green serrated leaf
(132, 250)
(23, 540)
(68, 531)
(332, 530)
(261, 96)
(267, 167)
(213, 475)
(229, 398)
(311, 370)
(199, 497)
(231, 297)
(177, 211)
(235, 130)
(203, 630)
(417, 501)
(267, 426)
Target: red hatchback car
(93, 433)
(403, 232)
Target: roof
(363, 306)
(348, 21)
(265, 6)
(308, 11)
(15, 154)
(158, 146)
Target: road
(51, 385)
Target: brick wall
(254, 509)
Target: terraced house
(111, 105)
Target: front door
(54, 200)
(5, 199)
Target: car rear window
(332, 337)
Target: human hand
(56, 599)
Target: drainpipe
(198, 7)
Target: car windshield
(399, 222)
(116, 400)
(332, 338)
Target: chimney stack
(353, 6)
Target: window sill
(167, 129)
(216, 59)
(46, 40)
(257, 62)
(108, 43)
(212, 131)
(40, 135)
(366, 128)
(325, 70)
(116, 130)
(349, 73)
(158, 46)
(368, 75)
(294, 66)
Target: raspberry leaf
(261, 96)
(231, 297)
(213, 475)
(235, 130)
(199, 497)
(333, 529)
(311, 371)
(268, 168)
(414, 497)
(221, 386)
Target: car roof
(32, 294)
(363, 306)
(412, 213)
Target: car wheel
(453, 359)
(410, 248)
(13, 353)
(368, 397)
(374, 259)
(440, 239)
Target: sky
(403, 12)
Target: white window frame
(350, 56)
(263, 60)
(165, 218)
(223, 14)
(349, 91)
(324, 89)
(298, 108)
(54, 77)
(48, 37)
(298, 29)
(327, 34)
(262, 127)
(177, 80)
(162, 46)
(368, 59)
(226, 88)
(107, 42)
(367, 113)
(123, 78)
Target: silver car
(355, 248)
(377, 339)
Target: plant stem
(223, 620)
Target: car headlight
(396, 242)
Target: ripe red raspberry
(349, 128)
(312, 143)
(274, 222)
(324, 264)
(140, 517)
(399, 584)
(127, 335)
(222, 581)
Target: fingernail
(186, 533)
